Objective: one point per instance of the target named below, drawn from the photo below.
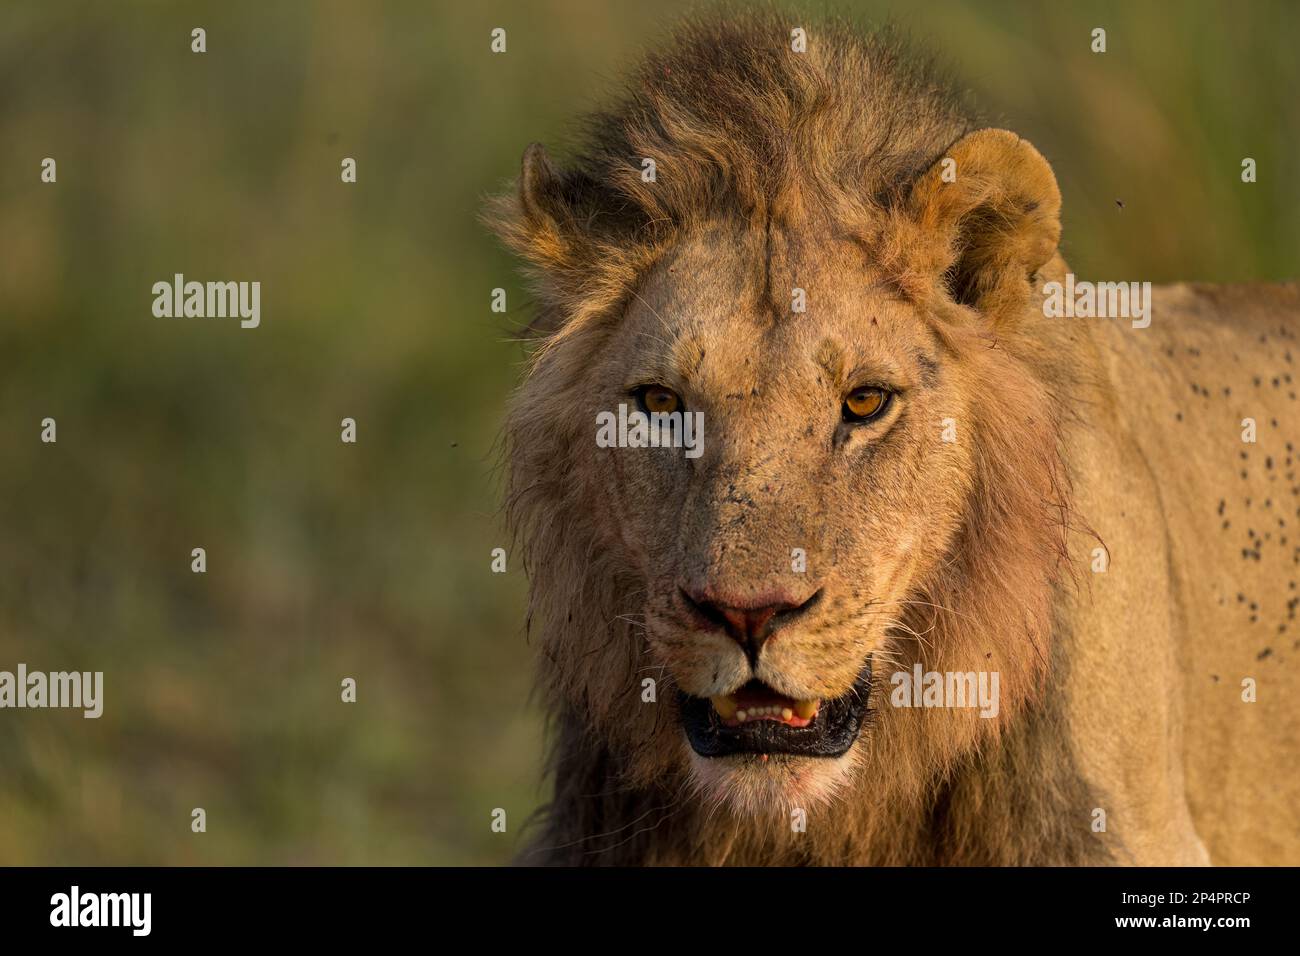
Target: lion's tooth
(725, 705)
(786, 713)
(806, 708)
(741, 715)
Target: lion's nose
(749, 624)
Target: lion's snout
(749, 621)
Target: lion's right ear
(538, 184)
(536, 221)
(565, 225)
(556, 218)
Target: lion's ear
(556, 215)
(541, 189)
(563, 223)
(992, 208)
(538, 220)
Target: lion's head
(828, 268)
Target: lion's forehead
(720, 268)
(715, 322)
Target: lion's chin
(763, 785)
(763, 754)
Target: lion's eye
(864, 404)
(657, 400)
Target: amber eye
(657, 400)
(865, 403)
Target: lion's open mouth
(758, 720)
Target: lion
(911, 481)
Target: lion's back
(1214, 411)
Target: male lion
(904, 462)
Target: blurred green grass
(328, 560)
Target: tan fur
(1119, 691)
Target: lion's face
(878, 483)
(775, 563)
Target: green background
(328, 560)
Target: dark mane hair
(736, 121)
(739, 126)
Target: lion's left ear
(991, 210)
